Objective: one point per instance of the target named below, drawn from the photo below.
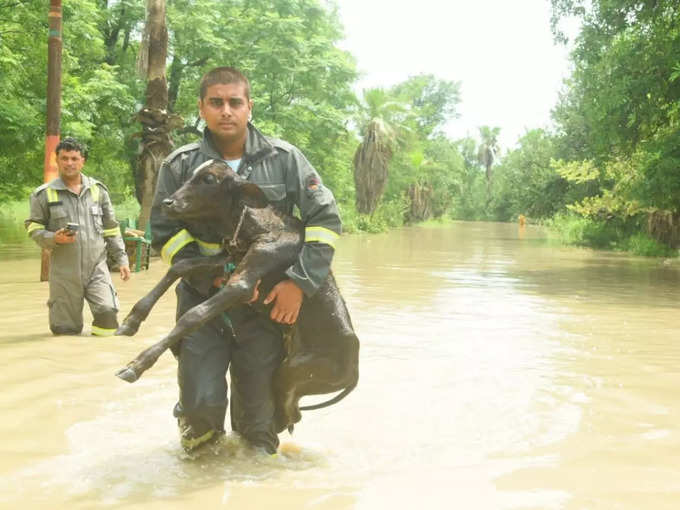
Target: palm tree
(488, 151)
(381, 121)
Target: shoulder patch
(313, 182)
(184, 148)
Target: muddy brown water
(497, 371)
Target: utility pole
(53, 108)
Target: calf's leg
(239, 289)
(140, 311)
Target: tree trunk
(156, 122)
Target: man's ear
(252, 195)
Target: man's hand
(220, 281)
(287, 298)
(124, 273)
(64, 236)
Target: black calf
(321, 349)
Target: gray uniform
(251, 344)
(78, 271)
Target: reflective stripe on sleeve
(208, 248)
(34, 226)
(112, 232)
(321, 235)
(176, 243)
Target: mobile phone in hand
(72, 228)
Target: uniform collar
(257, 148)
(59, 184)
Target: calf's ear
(252, 195)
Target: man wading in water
(247, 344)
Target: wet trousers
(250, 347)
(68, 293)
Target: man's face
(70, 163)
(226, 109)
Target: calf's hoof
(128, 328)
(127, 374)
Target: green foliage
(470, 203)
(127, 208)
(301, 86)
(642, 244)
(432, 102)
(618, 117)
(388, 215)
(580, 231)
(526, 181)
(424, 167)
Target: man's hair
(223, 76)
(71, 144)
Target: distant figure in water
(522, 220)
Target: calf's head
(213, 193)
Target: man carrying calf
(246, 343)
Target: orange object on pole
(53, 108)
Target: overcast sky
(501, 51)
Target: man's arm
(115, 246)
(322, 227)
(36, 225)
(322, 224)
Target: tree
(156, 122)
(379, 120)
(433, 102)
(526, 182)
(488, 151)
(620, 108)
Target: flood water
(498, 371)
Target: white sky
(501, 51)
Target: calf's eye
(209, 179)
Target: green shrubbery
(388, 215)
(580, 231)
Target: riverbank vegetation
(607, 175)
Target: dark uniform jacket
(288, 180)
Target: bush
(580, 231)
(576, 230)
(642, 244)
(389, 214)
(128, 208)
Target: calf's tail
(332, 401)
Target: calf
(321, 351)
